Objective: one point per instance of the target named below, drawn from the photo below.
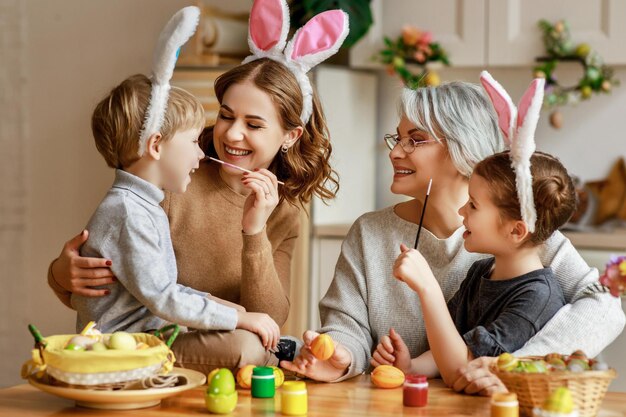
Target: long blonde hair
(305, 167)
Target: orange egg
(244, 376)
(323, 347)
(386, 376)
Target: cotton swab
(419, 229)
(219, 161)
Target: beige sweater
(214, 256)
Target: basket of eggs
(102, 361)
(534, 378)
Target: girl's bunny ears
(518, 126)
(320, 38)
(174, 35)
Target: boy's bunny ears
(320, 38)
(518, 126)
(174, 35)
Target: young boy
(130, 228)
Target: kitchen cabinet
(496, 32)
(515, 39)
(459, 25)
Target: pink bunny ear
(531, 102)
(502, 103)
(268, 27)
(320, 38)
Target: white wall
(588, 144)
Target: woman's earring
(284, 148)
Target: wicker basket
(588, 388)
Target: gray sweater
(130, 228)
(364, 299)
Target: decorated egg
(221, 396)
(387, 376)
(557, 364)
(536, 367)
(122, 341)
(560, 401)
(600, 366)
(279, 376)
(323, 347)
(244, 376)
(579, 354)
(79, 343)
(551, 356)
(507, 362)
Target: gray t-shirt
(130, 228)
(497, 316)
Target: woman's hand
(77, 274)
(308, 365)
(261, 202)
(392, 351)
(476, 378)
(261, 324)
(411, 268)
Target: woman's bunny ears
(518, 126)
(320, 38)
(174, 35)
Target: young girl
(234, 234)
(505, 299)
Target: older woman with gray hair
(443, 132)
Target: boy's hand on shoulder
(411, 268)
(261, 324)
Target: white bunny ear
(176, 32)
(523, 147)
(268, 28)
(503, 104)
(320, 38)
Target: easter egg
(122, 341)
(387, 376)
(79, 343)
(536, 367)
(600, 366)
(579, 354)
(244, 376)
(72, 346)
(279, 376)
(221, 396)
(211, 375)
(551, 356)
(557, 364)
(98, 347)
(507, 362)
(323, 347)
(575, 366)
(560, 401)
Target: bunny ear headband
(320, 38)
(518, 126)
(174, 35)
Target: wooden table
(355, 397)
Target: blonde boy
(130, 228)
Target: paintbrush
(219, 161)
(419, 229)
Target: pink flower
(410, 35)
(614, 276)
(426, 38)
(419, 57)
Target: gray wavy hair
(460, 114)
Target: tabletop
(355, 397)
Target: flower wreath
(416, 48)
(597, 77)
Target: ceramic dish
(122, 400)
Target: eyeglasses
(408, 144)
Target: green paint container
(263, 382)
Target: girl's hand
(77, 274)
(261, 324)
(392, 351)
(261, 202)
(411, 268)
(308, 365)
